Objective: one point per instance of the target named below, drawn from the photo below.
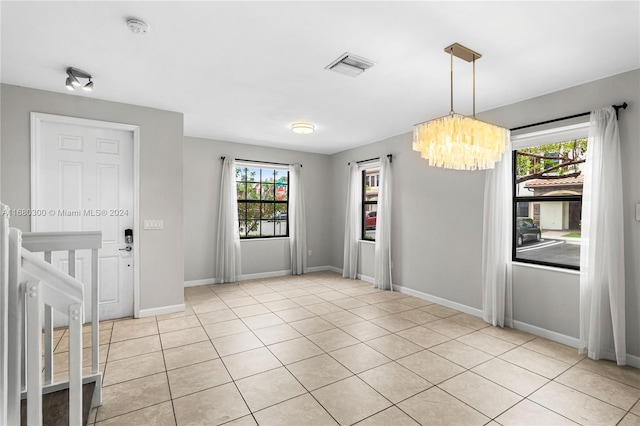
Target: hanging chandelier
(456, 141)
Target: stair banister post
(75, 364)
(16, 328)
(48, 336)
(33, 295)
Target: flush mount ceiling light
(456, 141)
(350, 65)
(73, 74)
(302, 128)
(138, 26)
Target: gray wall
(161, 265)
(202, 168)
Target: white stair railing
(30, 288)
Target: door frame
(38, 118)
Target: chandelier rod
(451, 112)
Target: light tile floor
(321, 350)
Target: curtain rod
(261, 162)
(582, 114)
(389, 156)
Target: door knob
(127, 248)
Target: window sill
(367, 241)
(546, 268)
(242, 240)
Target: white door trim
(37, 118)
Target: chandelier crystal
(456, 141)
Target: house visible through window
(263, 201)
(370, 184)
(547, 203)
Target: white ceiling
(244, 71)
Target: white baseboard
(195, 283)
(161, 310)
(366, 278)
(259, 275)
(440, 301)
(633, 361)
(318, 269)
(547, 334)
(334, 269)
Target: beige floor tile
(440, 311)
(434, 406)
(210, 407)
(423, 336)
(295, 314)
(235, 294)
(209, 306)
(393, 307)
(183, 337)
(262, 321)
(394, 382)
(185, 313)
(536, 362)
(289, 294)
(175, 324)
(369, 312)
(157, 415)
(269, 388)
(225, 328)
(577, 406)
(636, 409)
(394, 346)
(197, 377)
(302, 410)
(469, 321)
(295, 350)
(527, 413)
(238, 302)
(276, 333)
(338, 399)
(394, 323)
(630, 420)
(461, 354)
(555, 350)
(331, 340)
(311, 325)
(189, 354)
(391, 416)
(281, 305)
(309, 299)
(430, 366)
(133, 368)
(251, 362)
(418, 316)
(323, 308)
(133, 395)
(133, 347)
(318, 371)
(511, 335)
(342, 318)
(129, 332)
(627, 375)
(63, 376)
(216, 316)
(250, 310)
(349, 303)
(364, 331)
(61, 359)
(486, 343)
(448, 328)
(330, 295)
(607, 390)
(516, 379)
(269, 297)
(359, 358)
(236, 343)
(485, 396)
(242, 421)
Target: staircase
(31, 289)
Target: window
(547, 202)
(370, 183)
(263, 201)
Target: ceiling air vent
(350, 65)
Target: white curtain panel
(352, 227)
(496, 242)
(602, 281)
(382, 257)
(297, 221)
(227, 263)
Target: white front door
(83, 179)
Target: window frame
(567, 133)
(242, 165)
(363, 201)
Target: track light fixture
(73, 74)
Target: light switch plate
(154, 224)
(638, 212)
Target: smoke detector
(137, 26)
(349, 64)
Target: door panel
(84, 176)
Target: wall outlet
(154, 224)
(309, 253)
